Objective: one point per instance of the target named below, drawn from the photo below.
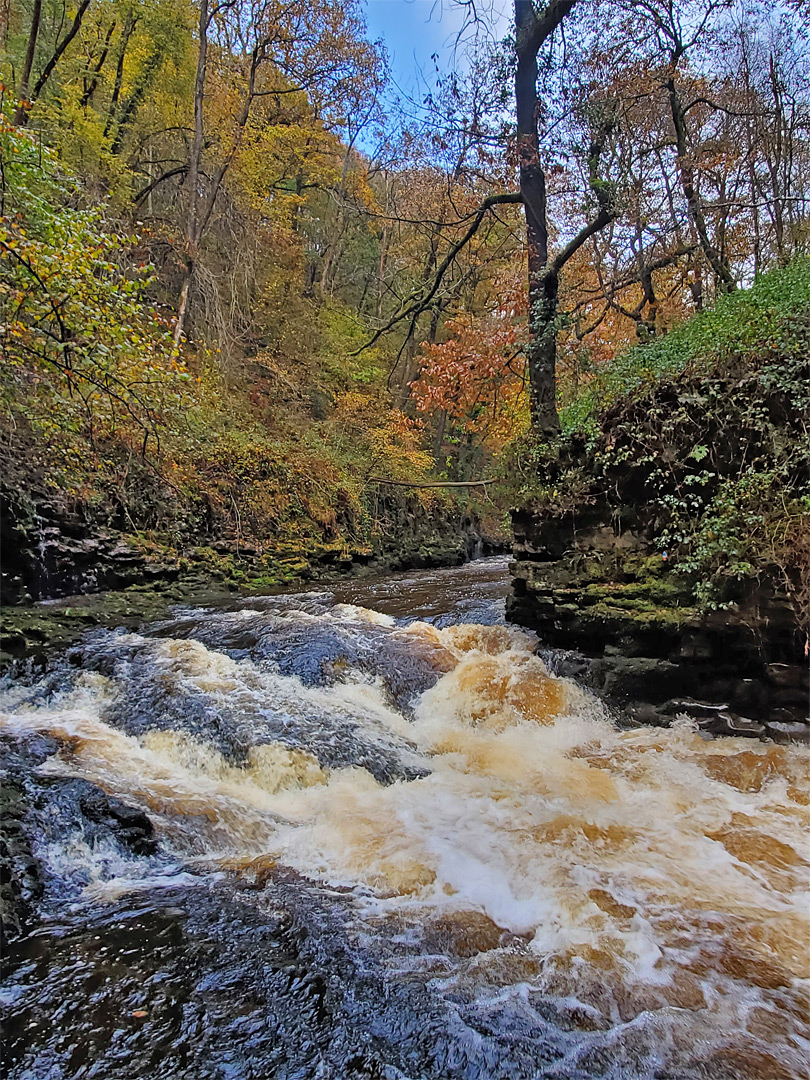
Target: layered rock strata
(615, 612)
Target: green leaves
(769, 319)
(703, 439)
(77, 332)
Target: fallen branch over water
(432, 484)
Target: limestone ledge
(618, 618)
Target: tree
(747, 165)
(276, 49)
(28, 62)
(77, 327)
(677, 29)
(532, 30)
(60, 48)
(475, 379)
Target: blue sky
(414, 29)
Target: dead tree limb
(431, 484)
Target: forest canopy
(236, 258)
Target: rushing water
(390, 844)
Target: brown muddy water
(389, 843)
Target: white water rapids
(651, 883)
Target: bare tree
(28, 63)
(279, 47)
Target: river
(389, 843)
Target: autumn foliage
(476, 376)
(227, 238)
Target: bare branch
(422, 302)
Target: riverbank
(65, 569)
(160, 579)
(627, 626)
(665, 534)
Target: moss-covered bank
(666, 534)
(66, 568)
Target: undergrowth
(768, 319)
(99, 408)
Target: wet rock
(792, 698)
(39, 810)
(728, 723)
(589, 573)
(751, 695)
(633, 617)
(645, 713)
(462, 933)
(697, 710)
(787, 675)
(794, 731)
(718, 689)
(784, 716)
(20, 876)
(130, 825)
(14, 642)
(565, 663)
(623, 678)
(714, 718)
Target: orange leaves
(477, 375)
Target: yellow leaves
(89, 348)
(394, 439)
(280, 163)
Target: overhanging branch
(605, 199)
(540, 29)
(181, 170)
(431, 484)
(422, 302)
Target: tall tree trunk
(438, 441)
(194, 163)
(754, 189)
(774, 163)
(646, 326)
(126, 32)
(5, 19)
(541, 353)
(28, 63)
(330, 261)
(383, 252)
(406, 358)
(381, 272)
(410, 368)
(58, 52)
(91, 83)
(130, 107)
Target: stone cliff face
(584, 582)
(665, 535)
(54, 549)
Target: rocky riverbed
(367, 832)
